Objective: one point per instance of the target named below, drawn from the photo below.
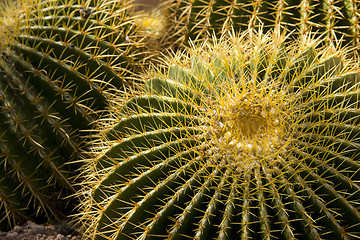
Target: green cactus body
(246, 138)
(60, 63)
(191, 19)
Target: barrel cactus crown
(60, 63)
(336, 20)
(243, 138)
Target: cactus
(246, 137)
(191, 19)
(152, 26)
(60, 63)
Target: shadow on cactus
(245, 137)
(60, 63)
(192, 19)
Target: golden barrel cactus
(60, 63)
(336, 21)
(246, 137)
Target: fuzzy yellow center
(247, 129)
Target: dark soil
(33, 231)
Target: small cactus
(248, 137)
(191, 19)
(60, 63)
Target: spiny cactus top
(197, 18)
(60, 61)
(248, 138)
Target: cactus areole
(244, 138)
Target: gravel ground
(33, 231)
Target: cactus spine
(247, 137)
(61, 61)
(191, 19)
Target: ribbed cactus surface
(198, 18)
(60, 62)
(247, 138)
